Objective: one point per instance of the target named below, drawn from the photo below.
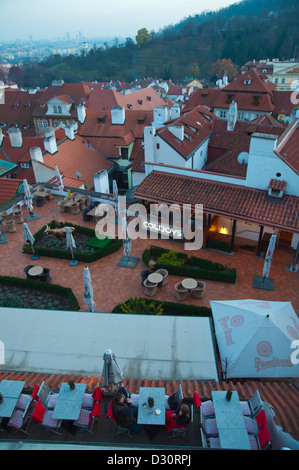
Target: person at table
(123, 410)
(180, 417)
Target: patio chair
(150, 289)
(252, 406)
(214, 443)
(204, 442)
(181, 430)
(163, 273)
(42, 415)
(61, 205)
(87, 418)
(45, 276)
(26, 269)
(198, 292)
(20, 421)
(10, 225)
(254, 425)
(209, 425)
(48, 194)
(144, 275)
(181, 293)
(121, 429)
(207, 408)
(23, 402)
(89, 399)
(46, 396)
(75, 209)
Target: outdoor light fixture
(223, 230)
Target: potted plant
(229, 395)
(71, 384)
(150, 401)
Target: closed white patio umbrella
(269, 256)
(59, 180)
(126, 239)
(88, 291)
(27, 196)
(29, 238)
(115, 196)
(70, 244)
(112, 373)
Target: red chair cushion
(170, 421)
(109, 413)
(261, 419)
(38, 413)
(196, 400)
(98, 395)
(34, 393)
(96, 411)
(264, 436)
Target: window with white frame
(42, 124)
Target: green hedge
(43, 286)
(114, 246)
(194, 267)
(175, 309)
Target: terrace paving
(113, 285)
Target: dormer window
(247, 82)
(276, 188)
(57, 109)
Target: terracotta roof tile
(240, 202)
(18, 108)
(8, 188)
(282, 396)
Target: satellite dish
(243, 158)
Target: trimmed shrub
(170, 308)
(141, 305)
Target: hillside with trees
(252, 29)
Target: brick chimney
(69, 132)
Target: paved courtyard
(114, 284)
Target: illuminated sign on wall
(158, 227)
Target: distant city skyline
(94, 18)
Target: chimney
(1, 136)
(161, 115)
(36, 154)
(101, 182)
(175, 112)
(50, 141)
(263, 145)
(81, 113)
(149, 143)
(15, 136)
(69, 132)
(118, 115)
(232, 116)
(177, 131)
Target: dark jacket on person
(123, 413)
(181, 420)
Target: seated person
(178, 418)
(124, 412)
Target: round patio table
(155, 278)
(35, 271)
(189, 283)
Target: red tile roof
(93, 128)
(225, 146)
(77, 156)
(77, 92)
(245, 101)
(282, 396)
(145, 100)
(197, 125)
(204, 97)
(8, 188)
(277, 185)
(288, 145)
(256, 85)
(17, 109)
(232, 201)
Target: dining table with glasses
(230, 421)
(10, 391)
(151, 415)
(69, 402)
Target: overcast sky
(101, 18)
